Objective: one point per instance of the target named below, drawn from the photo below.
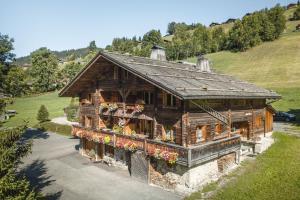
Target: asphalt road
(57, 170)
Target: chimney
(158, 53)
(203, 64)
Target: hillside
(61, 55)
(274, 65)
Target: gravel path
(63, 120)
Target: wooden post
(189, 157)
(96, 150)
(80, 146)
(229, 122)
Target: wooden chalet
(143, 110)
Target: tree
(238, 39)
(277, 18)
(6, 57)
(15, 82)
(93, 46)
(152, 37)
(43, 114)
(171, 28)
(267, 31)
(219, 39)
(6, 46)
(12, 150)
(252, 26)
(44, 70)
(296, 15)
(181, 46)
(69, 72)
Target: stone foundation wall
(264, 143)
(184, 180)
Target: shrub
(57, 128)
(43, 114)
(72, 113)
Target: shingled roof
(183, 80)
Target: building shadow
(77, 147)
(35, 134)
(297, 113)
(36, 173)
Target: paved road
(56, 168)
(286, 127)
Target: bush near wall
(72, 113)
(53, 127)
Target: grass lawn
(275, 174)
(27, 108)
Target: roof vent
(203, 64)
(158, 53)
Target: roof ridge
(167, 61)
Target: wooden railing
(187, 156)
(214, 149)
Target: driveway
(58, 171)
(285, 127)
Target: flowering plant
(112, 107)
(170, 157)
(139, 108)
(98, 138)
(130, 146)
(120, 145)
(106, 139)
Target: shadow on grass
(36, 172)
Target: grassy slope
(27, 108)
(274, 65)
(275, 174)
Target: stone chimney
(158, 53)
(203, 64)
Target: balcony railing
(187, 156)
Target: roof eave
(229, 97)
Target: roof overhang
(63, 92)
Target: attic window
(169, 100)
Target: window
(90, 98)
(200, 134)
(148, 97)
(170, 134)
(169, 100)
(88, 122)
(116, 73)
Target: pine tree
(12, 185)
(43, 114)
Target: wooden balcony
(187, 156)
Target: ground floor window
(200, 134)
